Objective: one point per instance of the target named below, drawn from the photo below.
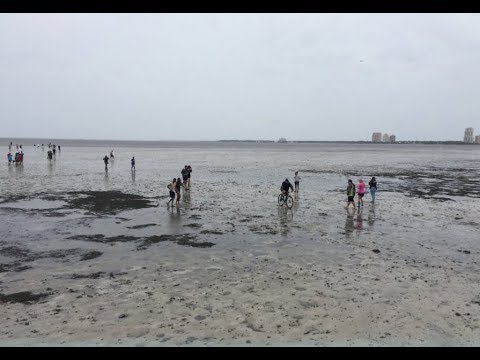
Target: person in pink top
(361, 191)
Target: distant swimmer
(133, 163)
(296, 179)
(171, 187)
(373, 188)
(105, 160)
(350, 194)
(361, 192)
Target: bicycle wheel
(289, 202)
(280, 199)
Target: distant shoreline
(31, 141)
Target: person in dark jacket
(373, 188)
(286, 185)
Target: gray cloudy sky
(239, 76)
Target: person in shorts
(350, 194)
(171, 187)
(361, 192)
(178, 186)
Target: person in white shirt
(297, 181)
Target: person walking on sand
(296, 179)
(178, 186)
(171, 186)
(350, 194)
(373, 188)
(361, 192)
(133, 163)
(105, 160)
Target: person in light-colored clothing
(296, 178)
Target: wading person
(361, 192)
(350, 194)
(105, 160)
(296, 179)
(178, 186)
(184, 173)
(133, 163)
(171, 187)
(373, 188)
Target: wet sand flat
(89, 258)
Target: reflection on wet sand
(106, 178)
(349, 223)
(174, 219)
(359, 220)
(186, 199)
(371, 216)
(285, 216)
(133, 176)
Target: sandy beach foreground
(244, 290)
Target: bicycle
(285, 199)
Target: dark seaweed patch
(109, 202)
(88, 276)
(140, 226)
(102, 239)
(213, 232)
(90, 255)
(180, 239)
(194, 225)
(24, 297)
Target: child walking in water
(361, 192)
(350, 194)
(296, 178)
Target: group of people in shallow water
(18, 158)
(351, 189)
(52, 150)
(176, 185)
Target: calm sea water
(226, 171)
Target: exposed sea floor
(89, 257)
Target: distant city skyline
(210, 76)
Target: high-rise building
(468, 137)
(392, 139)
(377, 137)
(386, 138)
(477, 139)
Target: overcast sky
(239, 76)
